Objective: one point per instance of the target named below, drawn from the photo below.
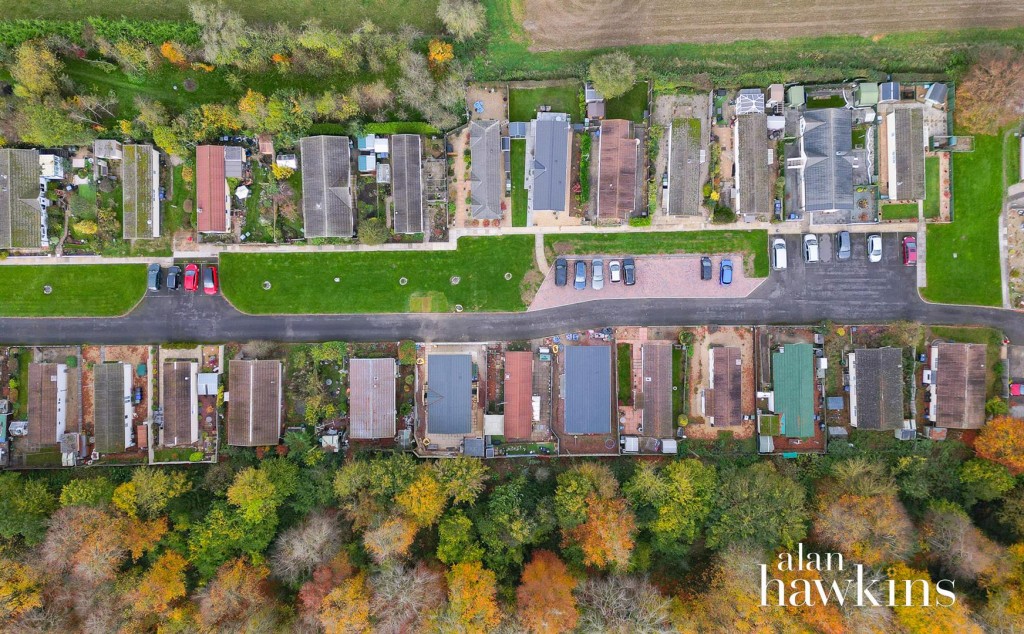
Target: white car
(597, 280)
(810, 248)
(615, 271)
(874, 248)
(779, 254)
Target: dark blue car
(725, 273)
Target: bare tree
(462, 18)
(402, 597)
(302, 548)
(622, 604)
(223, 31)
(960, 548)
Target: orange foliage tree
(439, 53)
(606, 536)
(933, 619)
(173, 53)
(346, 610)
(545, 598)
(161, 586)
(472, 591)
(990, 96)
(1002, 441)
(236, 596)
(390, 540)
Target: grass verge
(369, 281)
(87, 290)
(899, 211)
(753, 244)
(517, 158)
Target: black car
(706, 270)
(174, 277)
(629, 271)
(561, 272)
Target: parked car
(779, 254)
(597, 279)
(629, 271)
(615, 271)
(153, 277)
(1016, 389)
(137, 395)
(191, 278)
(580, 282)
(174, 277)
(706, 271)
(210, 280)
(810, 248)
(561, 272)
(725, 272)
(874, 248)
(910, 251)
(843, 245)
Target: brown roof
(109, 416)
(657, 389)
(180, 403)
(266, 143)
(724, 399)
(616, 194)
(254, 409)
(42, 404)
(372, 400)
(518, 394)
(960, 377)
(211, 189)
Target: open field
(369, 281)
(554, 25)
(87, 290)
(753, 243)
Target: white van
(779, 254)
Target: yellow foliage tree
(606, 537)
(1002, 441)
(472, 597)
(141, 536)
(424, 501)
(86, 227)
(346, 610)
(161, 586)
(439, 53)
(390, 540)
(932, 619)
(281, 172)
(173, 53)
(20, 590)
(35, 70)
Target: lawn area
(523, 102)
(92, 290)
(991, 337)
(835, 101)
(369, 281)
(931, 187)
(624, 354)
(630, 105)
(899, 211)
(963, 256)
(752, 243)
(517, 158)
(173, 214)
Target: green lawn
(87, 290)
(523, 102)
(630, 105)
(369, 281)
(517, 158)
(752, 243)
(899, 211)
(624, 353)
(963, 256)
(835, 101)
(932, 196)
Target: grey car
(843, 245)
(597, 280)
(153, 277)
(580, 282)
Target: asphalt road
(854, 291)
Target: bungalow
(656, 389)
(876, 388)
(905, 149)
(722, 398)
(825, 164)
(213, 198)
(372, 400)
(327, 209)
(179, 396)
(449, 394)
(486, 171)
(140, 179)
(547, 163)
(407, 183)
(753, 160)
(518, 386)
(618, 151)
(958, 381)
(22, 214)
(112, 407)
(793, 384)
(47, 403)
(254, 401)
(587, 390)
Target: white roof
(207, 384)
(380, 145)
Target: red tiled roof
(518, 394)
(725, 399)
(657, 389)
(616, 197)
(210, 188)
(372, 402)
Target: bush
(71, 361)
(407, 352)
(640, 221)
(723, 216)
(374, 231)
(613, 74)
(195, 456)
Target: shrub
(71, 361)
(640, 221)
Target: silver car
(615, 271)
(874, 248)
(597, 280)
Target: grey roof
(20, 213)
(876, 377)
(486, 170)
(890, 91)
(407, 182)
(517, 129)
(684, 171)
(474, 447)
(326, 187)
(107, 149)
(908, 181)
(826, 143)
(234, 159)
(550, 164)
(936, 93)
(752, 170)
(140, 179)
(449, 394)
(588, 389)
(108, 405)
(835, 403)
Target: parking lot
(180, 293)
(657, 276)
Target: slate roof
(827, 143)
(616, 187)
(937, 93)
(42, 404)
(407, 182)
(890, 91)
(876, 388)
(518, 394)
(485, 170)
(906, 177)
(140, 179)
(684, 186)
(657, 389)
(588, 389)
(752, 168)
(959, 385)
(109, 392)
(793, 382)
(372, 399)
(725, 400)
(180, 403)
(326, 187)
(20, 212)
(211, 189)
(254, 407)
(449, 394)
(550, 161)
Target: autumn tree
(24, 507)
(437, 99)
(472, 597)
(758, 504)
(672, 503)
(424, 500)
(439, 53)
(933, 619)
(613, 74)
(456, 539)
(390, 540)
(606, 536)
(346, 609)
(95, 491)
(149, 491)
(462, 18)
(984, 481)
(960, 548)
(402, 598)
(546, 604)
(173, 53)
(161, 586)
(302, 548)
(322, 581)
(86, 543)
(254, 494)
(462, 478)
(20, 589)
(621, 604)
(990, 96)
(237, 598)
(1002, 440)
(35, 70)
(224, 31)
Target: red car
(910, 251)
(191, 278)
(1016, 389)
(210, 280)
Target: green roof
(796, 96)
(867, 93)
(793, 377)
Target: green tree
(996, 406)
(224, 534)
(457, 542)
(672, 503)
(149, 491)
(254, 494)
(42, 124)
(97, 491)
(463, 478)
(760, 505)
(373, 231)
(613, 74)
(514, 518)
(984, 480)
(25, 507)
